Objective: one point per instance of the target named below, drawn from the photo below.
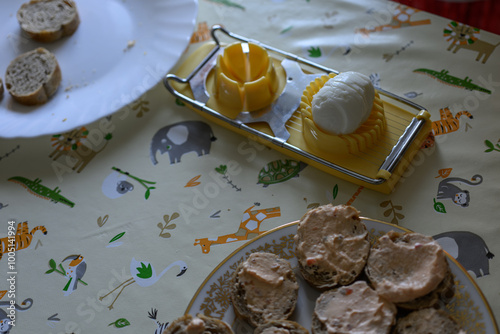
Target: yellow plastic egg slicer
(264, 93)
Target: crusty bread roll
(187, 324)
(264, 288)
(280, 327)
(354, 308)
(331, 246)
(406, 266)
(33, 77)
(427, 320)
(48, 20)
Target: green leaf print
(116, 237)
(491, 146)
(221, 169)
(314, 52)
(144, 272)
(439, 207)
(335, 191)
(228, 3)
(120, 323)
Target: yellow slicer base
(367, 162)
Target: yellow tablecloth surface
(163, 208)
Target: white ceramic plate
(469, 305)
(121, 49)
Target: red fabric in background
(482, 14)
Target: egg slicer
(263, 93)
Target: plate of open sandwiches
(336, 272)
(103, 56)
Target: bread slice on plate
(280, 327)
(405, 266)
(264, 288)
(354, 308)
(331, 246)
(438, 297)
(427, 320)
(33, 77)
(188, 324)
(48, 20)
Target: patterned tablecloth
(114, 205)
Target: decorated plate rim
(463, 271)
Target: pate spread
(269, 284)
(403, 267)
(275, 330)
(355, 308)
(332, 245)
(195, 326)
(428, 320)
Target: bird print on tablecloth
(76, 270)
(144, 275)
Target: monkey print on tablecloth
(6, 320)
(449, 190)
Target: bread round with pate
(354, 308)
(264, 288)
(48, 20)
(33, 77)
(438, 297)
(405, 266)
(280, 327)
(428, 320)
(200, 324)
(331, 245)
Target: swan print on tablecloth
(144, 274)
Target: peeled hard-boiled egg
(343, 103)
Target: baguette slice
(427, 320)
(187, 324)
(331, 246)
(405, 266)
(33, 77)
(280, 327)
(354, 308)
(264, 288)
(48, 20)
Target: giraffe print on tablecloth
(249, 228)
(401, 18)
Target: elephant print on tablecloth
(468, 249)
(180, 138)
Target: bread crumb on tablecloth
(130, 45)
